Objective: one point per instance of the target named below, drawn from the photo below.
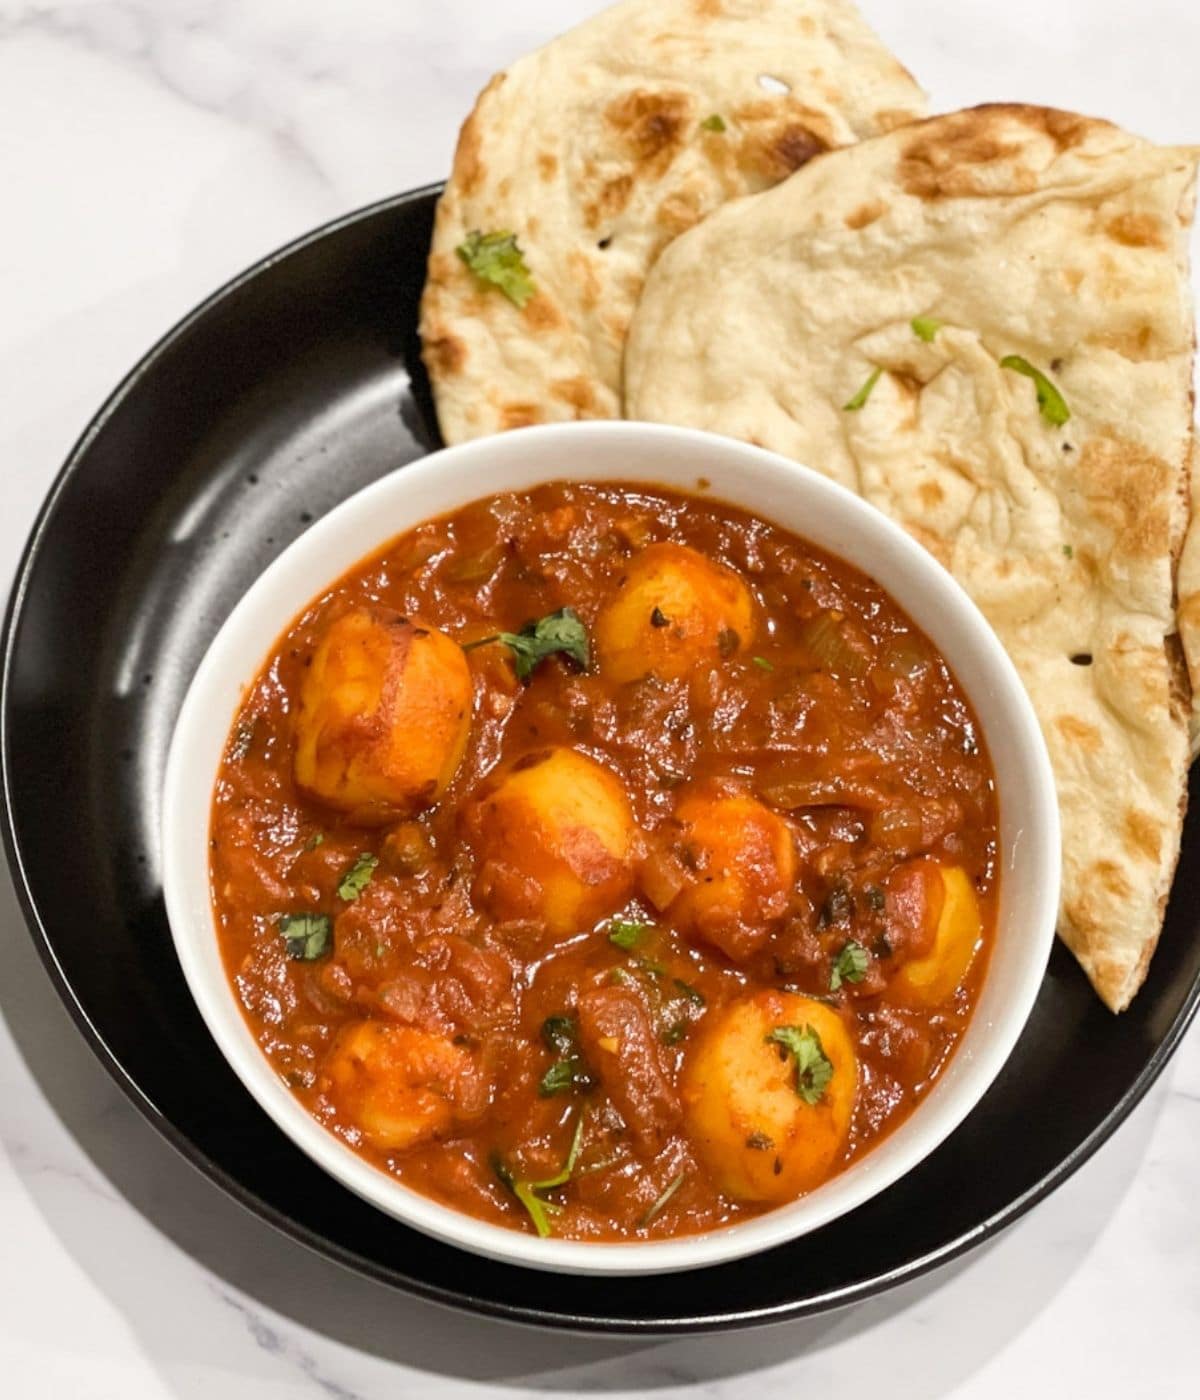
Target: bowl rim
(222, 1012)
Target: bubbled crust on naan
(591, 150)
(1028, 232)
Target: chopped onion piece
(897, 828)
(663, 877)
(825, 638)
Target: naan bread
(1023, 231)
(595, 152)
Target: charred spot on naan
(519, 415)
(444, 352)
(578, 393)
(611, 199)
(443, 269)
(978, 151)
(1079, 733)
(946, 164)
(541, 314)
(1142, 834)
(651, 126)
(786, 149)
(776, 143)
(866, 214)
(1133, 344)
(1110, 877)
(679, 211)
(1084, 924)
(1126, 487)
(1136, 230)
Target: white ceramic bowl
(789, 495)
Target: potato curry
(605, 862)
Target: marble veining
(268, 1339)
(148, 150)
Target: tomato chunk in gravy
(606, 862)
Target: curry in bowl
(606, 862)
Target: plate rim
(459, 1300)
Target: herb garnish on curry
(605, 862)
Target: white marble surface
(147, 151)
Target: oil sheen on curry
(606, 862)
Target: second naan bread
(596, 151)
(1008, 231)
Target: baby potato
(556, 841)
(675, 610)
(401, 1086)
(745, 863)
(383, 716)
(934, 976)
(746, 1095)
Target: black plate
(288, 390)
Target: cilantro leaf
(558, 632)
(503, 1174)
(565, 1075)
(561, 631)
(657, 1208)
(627, 933)
(854, 404)
(557, 1079)
(714, 123)
(497, 259)
(813, 1067)
(539, 1210)
(307, 936)
(315, 840)
(762, 663)
(529, 1192)
(850, 965)
(693, 994)
(358, 877)
(560, 1033)
(1051, 403)
(570, 1069)
(925, 327)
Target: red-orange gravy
(692, 927)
